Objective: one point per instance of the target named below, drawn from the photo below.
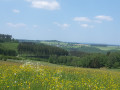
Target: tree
(113, 59)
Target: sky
(83, 21)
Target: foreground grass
(29, 76)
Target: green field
(108, 48)
(22, 75)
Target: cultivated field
(36, 76)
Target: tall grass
(28, 76)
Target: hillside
(61, 53)
(74, 46)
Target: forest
(56, 55)
(33, 49)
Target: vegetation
(38, 76)
(72, 46)
(10, 46)
(96, 60)
(5, 43)
(40, 50)
(88, 48)
(5, 58)
(77, 56)
(18, 76)
(6, 38)
(7, 52)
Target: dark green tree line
(95, 60)
(8, 52)
(33, 49)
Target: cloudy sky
(91, 21)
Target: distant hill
(75, 46)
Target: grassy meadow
(108, 48)
(40, 76)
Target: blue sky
(91, 21)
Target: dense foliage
(7, 52)
(6, 38)
(33, 49)
(78, 53)
(96, 60)
(113, 60)
(3, 50)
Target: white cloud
(86, 26)
(65, 25)
(16, 11)
(85, 21)
(103, 17)
(45, 4)
(62, 25)
(82, 19)
(16, 25)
